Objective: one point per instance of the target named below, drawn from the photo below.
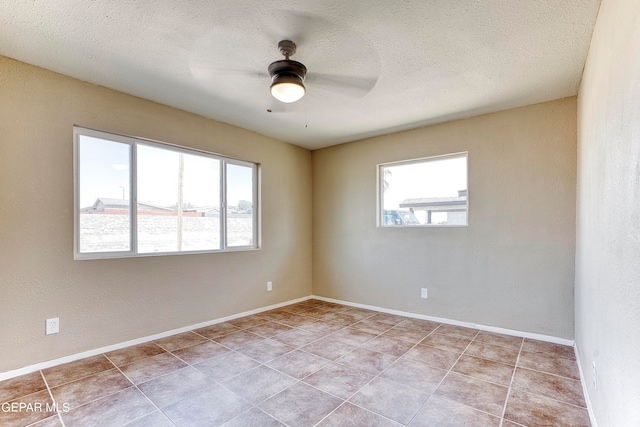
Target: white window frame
(133, 142)
(380, 190)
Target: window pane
(201, 205)
(104, 205)
(428, 192)
(178, 201)
(240, 205)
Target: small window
(186, 201)
(424, 192)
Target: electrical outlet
(269, 286)
(595, 376)
(52, 326)
(423, 293)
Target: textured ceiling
(374, 66)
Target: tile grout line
(332, 361)
(447, 374)
(129, 379)
(343, 401)
(434, 331)
(140, 391)
(255, 405)
(79, 378)
(219, 383)
(391, 326)
(46, 383)
(430, 394)
(449, 371)
(373, 378)
(297, 381)
(515, 368)
(573, 361)
(101, 397)
(521, 367)
(546, 373)
(329, 361)
(378, 375)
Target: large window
(424, 192)
(185, 200)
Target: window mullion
(255, 206)
(223, 205)
(133, 196)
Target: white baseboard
(77, 356)
(495, 329)
(585, 391)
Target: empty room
(411, 213)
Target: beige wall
(512, 267)
(608, 216)
(102, 302)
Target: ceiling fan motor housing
(287, 67)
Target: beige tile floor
(313, 363)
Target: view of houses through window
(181, 197)
(426, 192)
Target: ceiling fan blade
(205, 72)
(356, 86)
(301, 27)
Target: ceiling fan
(287, 75)
(348, 69)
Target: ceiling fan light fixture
(287, 88)
(287, 76)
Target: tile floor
(312, 363)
